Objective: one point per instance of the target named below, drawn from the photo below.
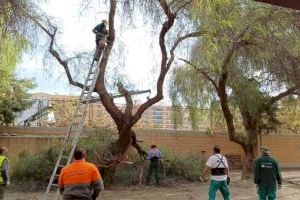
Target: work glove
(228, 180)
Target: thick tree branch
(167, 25)
(136, 145)
(106, 99)
(129, 102)
(164, 69)
(283, 94)
(233, 136)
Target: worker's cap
(153, 144)
(104, 21)
(265, 149)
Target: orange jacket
(79, 179)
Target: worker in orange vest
(80, 179)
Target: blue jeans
(218, 185)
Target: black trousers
(1, 192)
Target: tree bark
(250, 150)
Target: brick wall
(285, 148)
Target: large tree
(245, 57)
(166, 13)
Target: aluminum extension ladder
(74, 130)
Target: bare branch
(55, 53)
(179, 40)
(202, 71)
(165, 63)
(183, 6)
(129, 102)
(283, 94)
(167, 25)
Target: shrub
(32, 172)
(188, 166)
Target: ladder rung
(55, 185)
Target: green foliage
(262, 44)
(13, 91)
(32, 172)
(188, 165)
(186, 88)
(13, 99)
(289, 115)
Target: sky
(141, 61)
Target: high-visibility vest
(2, 158)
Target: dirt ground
(240, 190)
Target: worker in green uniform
(267, 175)
(154, 157)
(4, 177)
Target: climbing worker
(266, 175)
(4, 176)
(101, 38)
(80, 179)
(218, 166)
(154, 157)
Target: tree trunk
(120, 146)
(250, 150)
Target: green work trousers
(267, 193)
(154, 166)
(218, 185)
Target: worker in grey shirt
(4, 176)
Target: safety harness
(218, 171)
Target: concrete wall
(32, 144)
(285, 148)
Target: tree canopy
(247, 59)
